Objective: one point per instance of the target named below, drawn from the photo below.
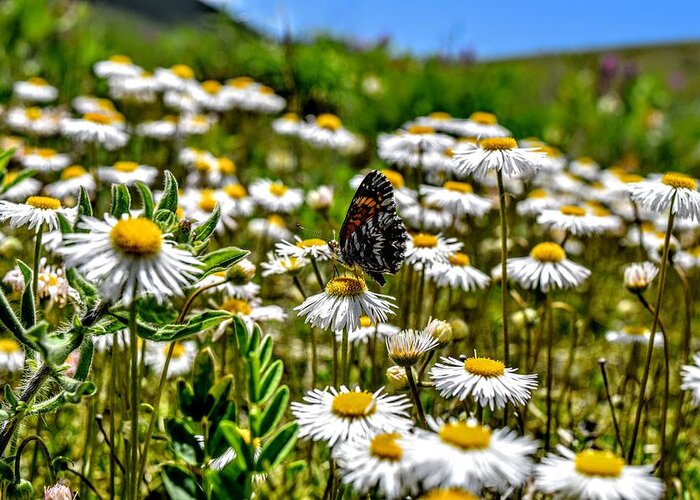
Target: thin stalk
(112, 402)
(41, 445)
(638, 223)
(37, 260)
(317, 272)
(312, 334)
(416, 397)
(550, 343)
(601, 362)
(344, 359)
(652, 333)
(504, 257)
(133, 462)
(334, 346)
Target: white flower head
(34, 212)
(11, 355)
(181, 361)
(458, 198)
(99, 128)
(457, 272)
(546, 268)
(408, 346)
(116, 66)
(426, 249)
(128, 173)
(326, 131)
(639, 275)
(335, 416)
(34, 89)
(71, 180)
(498, 153)
(674, 191)
(691, 379)
(313, 248)
(633, 334)
(275, 196)
(489, 382)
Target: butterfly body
(373, 237)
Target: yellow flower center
(235, 191)
(99, 118)
(395, 178)
(459, 259)
(290, 117)
(483, 118)
(346, 286)
(498, 143)
(43, 202)
(291, 263)
(678, 180)
(328, 121)
(237, 306)
(354, 404)
(120, 59)
(449, 153)
(548, 252)
(9, 177)
(635, 330)
(448, 494)
(365, 321)
(485, 367)
(423, 240)
(599, 463)
(276, 220)
(126, 166)
(586, 160)
(573, 210)
(33, 113)
(36, 80)
(538, 193)
(384, 446)
(459, 187)
(241, 82)
(550, 151)
(420, 130)
(629, 178)
(182, 71)
(265, 90)
(211, 86)
(72, 172)
(207, 202)
(8, 346)
(202, 165)
(137, 237)
(278, 189)
(439, 115)
(227, 166)
(312, 242)
(465, 436)
(178, 350)
(45, 152)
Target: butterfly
(372, 237)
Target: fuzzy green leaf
(278, 447)
(27, 307)
(194, 325)
(169, 200)
(222, 259)
(146, 199)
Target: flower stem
(41, 445)
(334, 346)
(37, 260)
(112, 406)
(135, 385)
(504, 257)
(550, 343)
(416, 397)
(317, 272)
(652, 333)
(344, 358)
(601, 362)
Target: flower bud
(396, 379)
(321, 198)
(460, 330)
(242, 272)
(440, 331)
(527, 317)
(639, 275)
(58, 492)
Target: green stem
(504, 258)
(37, 260)
(344, 360)
(601, 362)
(40, 444)
(112, 419)
(334, 346)
(550, 343)
(317, 272)
(652, 333)
(133, 463)
(416, 397)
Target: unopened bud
(440, 331)
(460, 329)
(396, 379)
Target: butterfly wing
(373, 236)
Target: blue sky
(488, 29)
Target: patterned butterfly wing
(373, 236)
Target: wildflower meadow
(240, 268)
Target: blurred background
(615, 81)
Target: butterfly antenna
(313, 232)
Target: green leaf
(254, 389)
(169, 200)
(203, 231)
(27, 308)
(221, 259)
(180, 484)
(23, 174)
(5, 157)
(10, 397)
(166, 219)
(240, 330)
(270, 380)
(244, 456)
(9, 319)
(87, 349)
(278, 447)
(273, 412)
(183, 442)
(265, 351)
(218, 395)
(194, 325)
(84, 208)
(152, 311)
(87, 292)
(185, 400)
(203, 373)
(6, 473)
(121, 200)
(64, 224)
(77, 390)
(146, 199)
(254, 340)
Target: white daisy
(84, 104)
(288, 124)
(34, 212)
(368, 330)
(428, 217)
(457, 273)
(128, 173)
(691, 378)
(458, 198)
(199, 204)
(210, 95)
(574, 220)
(140, 88)
(178, 77)
(128, 256)
(633, 334)
(408, 346)
(424, 249)
(44, 160)
(498, 153)
(375, 461)
(72, 179)
(326, 131)
(11, 355)
(275, 196)
(320, 198)
(489, 382)
(250, 311)
(261, 99)
(439, 121)
(33, 121)
(313, 248)
(674, 191)
(336, 416)
(342, 303)
(482, 125)
(273, 228)
(277, 264)
(469, 455)
(538, 200)
(546, 268)
(585, 168)
(595, 475)
(181, 361)
(406, 148)
(116, 65)
(34, 89)
(98, 128)
(237, 199)
(20, 190)
(196, 124)
(166, 128)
